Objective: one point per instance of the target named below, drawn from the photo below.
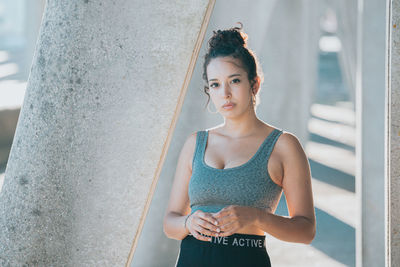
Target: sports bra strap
(271, 142)
(199, 147)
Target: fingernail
(218, 230)
(216, 222)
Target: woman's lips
(228, 106)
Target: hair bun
(231, 38)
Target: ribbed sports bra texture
(211, 189)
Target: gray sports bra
(211, 189)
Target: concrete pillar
(392, 143)
(107, 82)
(370, 108)
(289, 56)
(346, 14)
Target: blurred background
(19, 28)
(308, 55)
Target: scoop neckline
(236, 167)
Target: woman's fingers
(195, 225)
(201, 237)
(208, 217)
(209, 223)
(209, 228)
(198, 232)
(204, 224)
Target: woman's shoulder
(189, 147)
(288, 146)
(191, 139)
(190, 142)
(288, 139)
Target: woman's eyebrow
(230, 76)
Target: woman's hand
(202, 223)
(233, 217)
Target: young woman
(229, 178)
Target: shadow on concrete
(323, 140)
(334, 238)
(332, 176)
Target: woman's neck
(243, 126)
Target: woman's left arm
(300, 226)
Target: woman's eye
(213, 85)
(235, 80)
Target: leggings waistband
(234, 240)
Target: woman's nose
(227, 90)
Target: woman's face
(228, 83)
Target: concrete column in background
(392, 129)
(290, 55)
(346, 14)
(370, 110)
(107, 81)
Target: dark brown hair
(231, 42)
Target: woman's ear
(256, 85)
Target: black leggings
(236, 250)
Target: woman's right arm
(200, 223)
(179, 204)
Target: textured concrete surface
(393, 141)
(100, 100)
